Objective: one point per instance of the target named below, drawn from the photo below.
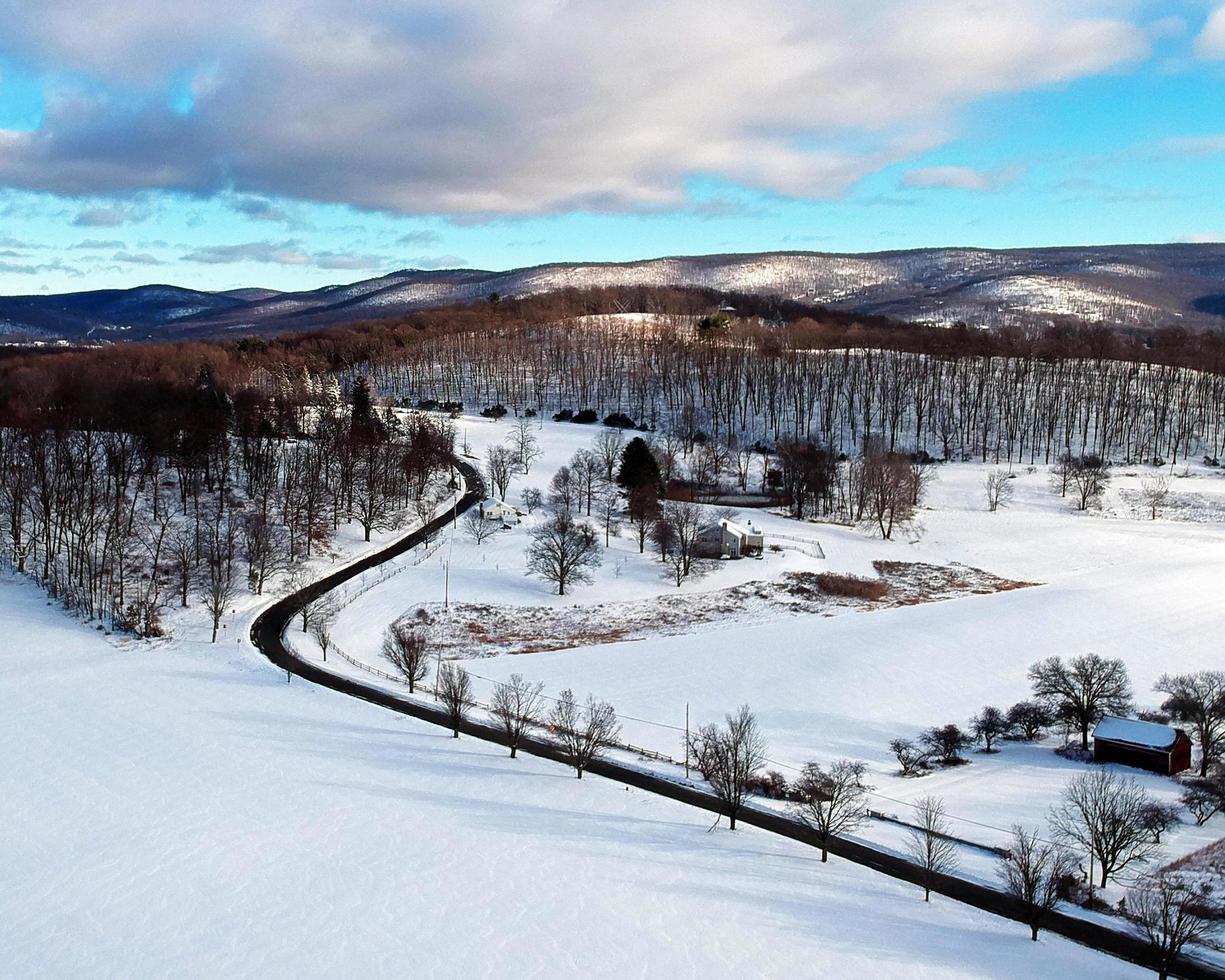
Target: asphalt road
(267, 634)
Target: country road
(267, 634)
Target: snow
(183, 811)
(845, 683)
(1144, 733)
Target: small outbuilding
(1142, 744)
(727, 539)
(498, 510)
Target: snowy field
(182, 811)
(844, 684)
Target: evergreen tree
(638, 466)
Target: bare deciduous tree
(911, 759)
(1029, 718)
(1169, 914)
(583, 730)
(514, 704)
(322, 619)
(1199, 700)
(563, 551)
(929, 845)
(728, 755)
(523, 443)
(477, 527)
(405, 648)
(1032, 871)
(988, 725)
(532, 499)
(1083, 690)
(833, 802)
(455, 693)
(998, 485)
(1102, 815)
(608, 446)
(1155, 492)
(500, 464)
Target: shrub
(494, 411)
(565, 415)
(585, 417)
(618, 420)
(770, 784)
(852, 586)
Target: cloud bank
(477, 110)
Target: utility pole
(686, 739)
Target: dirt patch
(487, 630)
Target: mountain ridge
(1126, 286)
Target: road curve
(267, 633)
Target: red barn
(1142, 744)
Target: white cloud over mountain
(474, 109)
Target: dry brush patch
(489, 629)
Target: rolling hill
(1126, 286)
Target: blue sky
(326, 141)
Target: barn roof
(1142, 734)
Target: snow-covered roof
(491, 504)
(740, 529)
(1145, 734)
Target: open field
(843, 683)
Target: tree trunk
(1033, 932)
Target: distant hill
(1136, 286)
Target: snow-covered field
(179, 809)
(844, 684)
(184, 812)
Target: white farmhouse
(497, 510)
(727, 539)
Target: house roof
(1143, 734)
(740, 529)
(491, 503)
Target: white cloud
(286, 253)
(961, 178)
(1193, 146)
(1210, 43)
(524, 106)
(1203, 237)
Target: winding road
(267, 633)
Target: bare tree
(477, 527)
(998, 484)
(988, 725)
(500, 464)
(947, 742)
(1029, 718)
(1089, 477)
(523, 443)
(608, 446)
(514, 704)
(1198, 699)
(1155, 492)
(563, 551)
(1083, 690)
(322, 619)
(833, 802)
(1205, 797)
(455, 693)
(1102, 815)
(911, 759)
(728, 755)
(684, 523)
(218, 587)
(405, 648)
(583, 730)
(1032, 871)
(588, 469)
(532, 499)
(1170, 914)
(564, 491)
(930, 845)
(644, 511)
(608, 509)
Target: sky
(306, 142)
